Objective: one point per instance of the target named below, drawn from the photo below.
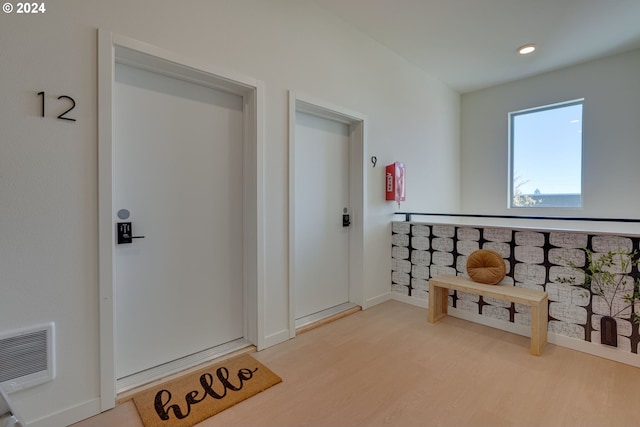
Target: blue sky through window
(547, 150)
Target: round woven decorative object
(485, 266)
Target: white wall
(48, 168)
(611, 131)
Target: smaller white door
(321, 272)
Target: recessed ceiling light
(526, 49)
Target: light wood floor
(386, 366)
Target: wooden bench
(538, 301)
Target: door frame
(114, 48)
(357, 196)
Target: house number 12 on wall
(70, 103)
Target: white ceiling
(472, 44)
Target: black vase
(608, 331)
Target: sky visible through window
(547, 150)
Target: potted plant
(606, 276)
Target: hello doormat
(187, 400)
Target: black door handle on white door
(123, 233)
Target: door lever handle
(126, 236)
(123, 233)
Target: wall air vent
(27, 357)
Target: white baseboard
(68, 416)
(370, 302)
(596, 349)
(276, 338)
(409, 300)
(591, 348)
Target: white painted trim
(261, 320)
(595, 349)
(69, 415)
(358, 201)
(320, 108)
(357, 193)
(224, 79)
(106, 65)
(276, 338)
(324, 314)
(112, 47)
(370, 302)
(422, 303)
(292, 214)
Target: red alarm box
(395, 182)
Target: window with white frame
(545, 156)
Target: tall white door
(321, 198)
(178, 179)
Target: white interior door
(177, 169)
(321, 198)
